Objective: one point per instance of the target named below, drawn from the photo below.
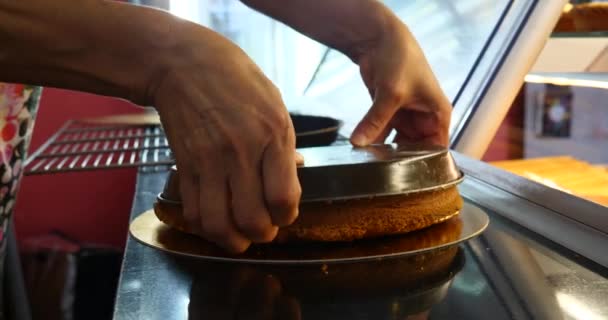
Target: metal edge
(336, 128)
(34, 155)
(457, 181)
(581, 210)
(581, 239)
(415, 155)
(387, 194)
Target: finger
(281, 186)
(188, 181)
(377, 118)
(185, 182)
(419, 127)
(189, 191)
(299, 159)
(382, 136)
(249, 211)
(436, 101)
(215, 213)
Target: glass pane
(556, 133)
(451, 33)
(286, 57)
(550, 281)
(316, 80)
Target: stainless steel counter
(508, 272)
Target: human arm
(406, 96)
(225, 121)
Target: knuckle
(291, 137)
(375, 123)
(283, 121)
(287, 198)
(394, 92)
(281, 127)
(278, 122)
(267, 237)
(235, 245)
(256, 227)
(286, 218)
(252, 226)
(285, 207)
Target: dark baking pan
(315, 131)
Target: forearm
(346, 25)
(89, 45)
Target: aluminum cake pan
(343, 172)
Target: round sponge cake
(350, 220)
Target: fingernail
(358, 139)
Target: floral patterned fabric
(18, 105)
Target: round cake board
(464, 225)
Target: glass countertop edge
(554, 215)
(578, 209)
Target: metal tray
(342, 172)
(471, 221)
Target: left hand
(406, 96)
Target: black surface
(15, 296)
(96, 280)
(315, 131)
(508, 272)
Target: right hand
(406, 94)
(233, 140)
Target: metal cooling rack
(83, 146)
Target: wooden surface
(565, 173)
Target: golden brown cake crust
(171, 215)
(353, 219)
(368, 218)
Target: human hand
(406, 95)
(233, 141)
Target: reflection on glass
(404, 288)
(575, 309)
(556, 134)
(549, 284)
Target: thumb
(376, 120)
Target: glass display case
(521, 267)
(542, 257)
